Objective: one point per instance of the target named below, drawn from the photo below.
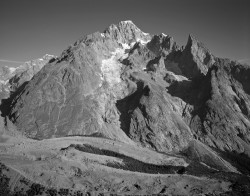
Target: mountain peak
(126, 32)
(48, 56)
(191, 37)
(193, 42)
(196, 58)
(127, 22)
(163, 34)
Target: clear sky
(31, 28)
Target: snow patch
(102, 35)
(208, 166)
(111, 67)
(128, 21)
(132, 44)
(12, 69)
(179, 78)
(164, 34)
(143, 42)
(145, 33)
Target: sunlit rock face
(131, 86)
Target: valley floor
(97, 165)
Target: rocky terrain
(126, 112)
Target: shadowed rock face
(196, 59)
(128, 85)
(224, 117)
(147, 117)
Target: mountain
(137, 89)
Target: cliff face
(224, 115)
(196, 59)
(127, 85)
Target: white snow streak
(128, 21)
(143, 42)
(12, 69)
(111, 67)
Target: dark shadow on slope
(129, 163)
(194, 92)
(150, 65)
(241, 73)
(240, 184)
(127, 105)
(240, 161)
(6, 104)
(182, 89)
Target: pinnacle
(191, 37)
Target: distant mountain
(244, 61)
(13, 77)
(131, 86)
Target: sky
(29, 29)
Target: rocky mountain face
(131, 86)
